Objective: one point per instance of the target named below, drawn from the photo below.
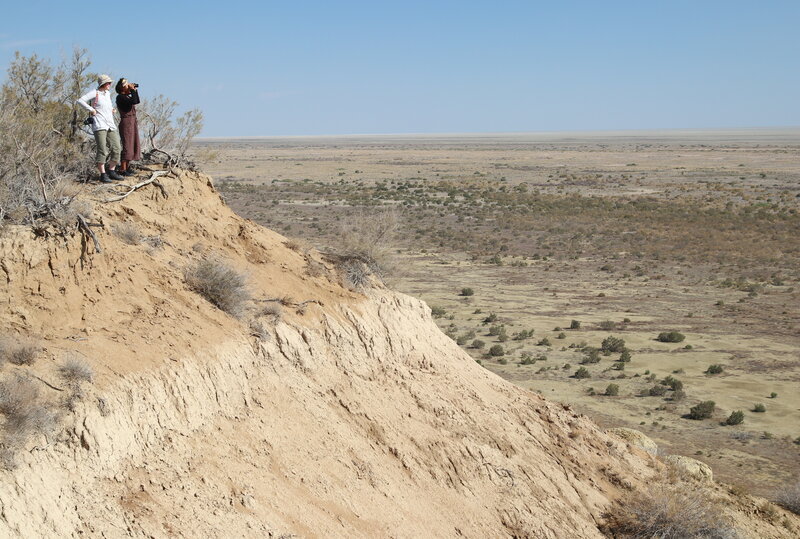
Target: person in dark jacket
(127, 99)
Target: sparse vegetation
(496, 351)
(582, 372)
(612, 390)
(128, 233)
(759, 408)
(220, 284)
(24, 415)
(670, 336)
(704, 410)
(736, 418)
(789, 497)
(467, 292)
(612, 344)
(670, 512)
(19, 350)
(714, 369)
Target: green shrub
(736, 418)
(625, 356)
(438, 312)
(678, 395)
(561, 335)
(496, 351)
(575, 324)
(704, 410)
(495, 330)
(759, 408)
(672, 382)
(591, 355)
(657, 391)
(478, 344)
(467, 292)
(612, 390)
(543, 342)
(714, 369)
(773, 395)
(612, 344)
(670, 336)
(489, 319)
(582, 372)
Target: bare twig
(88, 231)
(151, 179)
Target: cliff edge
(343, 413)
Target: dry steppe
(631, 234)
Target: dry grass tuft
(128, 233)
(273, 310)
(22, 351)
(789, 497)
(24, 415)
(670, 512)
(356, 274)
(75, 371)
(220, 284)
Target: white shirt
(100, 101)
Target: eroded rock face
(691, 467)
(635, 438)
(353, 416)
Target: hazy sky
(308, 67)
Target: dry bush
(367, 237)
(41, 143)
(163, 134)
(355, 274)
(789, 497)
(258, 330)
(220, 284)
(74, 372)
(22, 351)
(670, 512)
(128, 233)
(273, 310)
(24, 415)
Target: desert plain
(534, 249)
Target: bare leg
(101, 167)
(123, 165)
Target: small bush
(24, 416)
(736, 418)
(582, 372)
(678, 395)
(625, 356)
(561, 335)
(438, 312)
(22, 351)
(608, 325)
(575, 324)
(543, 342)
(759, 408)
(612, 390)
(714, 369)
(489, 319)
(75, 371)
(669, 512)
(221, 285)
(496, 351)
(773, 395)
(789, 497)
(670, 336)
(612, 344)
(127, 233)
(704, 410)
(657, 391)
(672, 383)
(467, 292)
(591, 355)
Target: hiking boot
(128, 172)
(104, 178)
(114, 176)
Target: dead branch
(88, 231)
(151, 179)
(48, 384)
(286, 303)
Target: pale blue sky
(311, 67)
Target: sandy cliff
(352, 417)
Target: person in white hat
(106, 135)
